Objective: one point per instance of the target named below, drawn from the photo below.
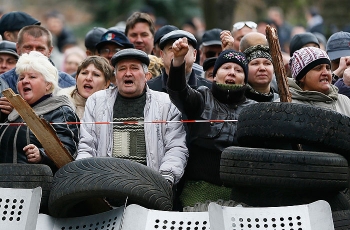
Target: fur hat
(232, 56)
(305, 59)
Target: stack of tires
(291, 154)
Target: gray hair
(144, 67)
(40, 63)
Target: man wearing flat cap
(194, 80)
(8, 56)
(111, 42)
(160, 146)
(12, 22)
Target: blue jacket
(64, 79)
(343, 89)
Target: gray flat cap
(176, 34)
(130, 53)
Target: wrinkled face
(209, 51)
(7, 62)
(167, 55)
(260, 73)
(32, 86)
(230, 73)
(90, 80)
(130, 78)
(317, 79)
(31, 43)
(238, 35)
(141, 37)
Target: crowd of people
(168, 74)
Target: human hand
(226, 40)
(346, 76)
(33, 154)
(343, 64)
(5, 106)
(180, 49)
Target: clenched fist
(180, 49)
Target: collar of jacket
(233, 96)
(301, 95)
(257, 96)
(45, 106)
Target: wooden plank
(43, 131)
(53, 146)
(277, 60)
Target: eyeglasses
(108, 51)
(210, 54)
(240, 25)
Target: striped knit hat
(305, 59)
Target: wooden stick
(277, 60)
(280, 71)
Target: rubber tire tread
(294, 123)
(341, 220)
(108, 177)
(274, 168)
(28, 176)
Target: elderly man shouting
(160, 146)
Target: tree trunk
(218, 13)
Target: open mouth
(26, 89)
(230, 81)
(128, 82)
(88, 87)
(324, 80)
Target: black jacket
(55, 109)
(206, 140)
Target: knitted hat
(257, 51)
(305, 59)
(232, 56)
(299, 40)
